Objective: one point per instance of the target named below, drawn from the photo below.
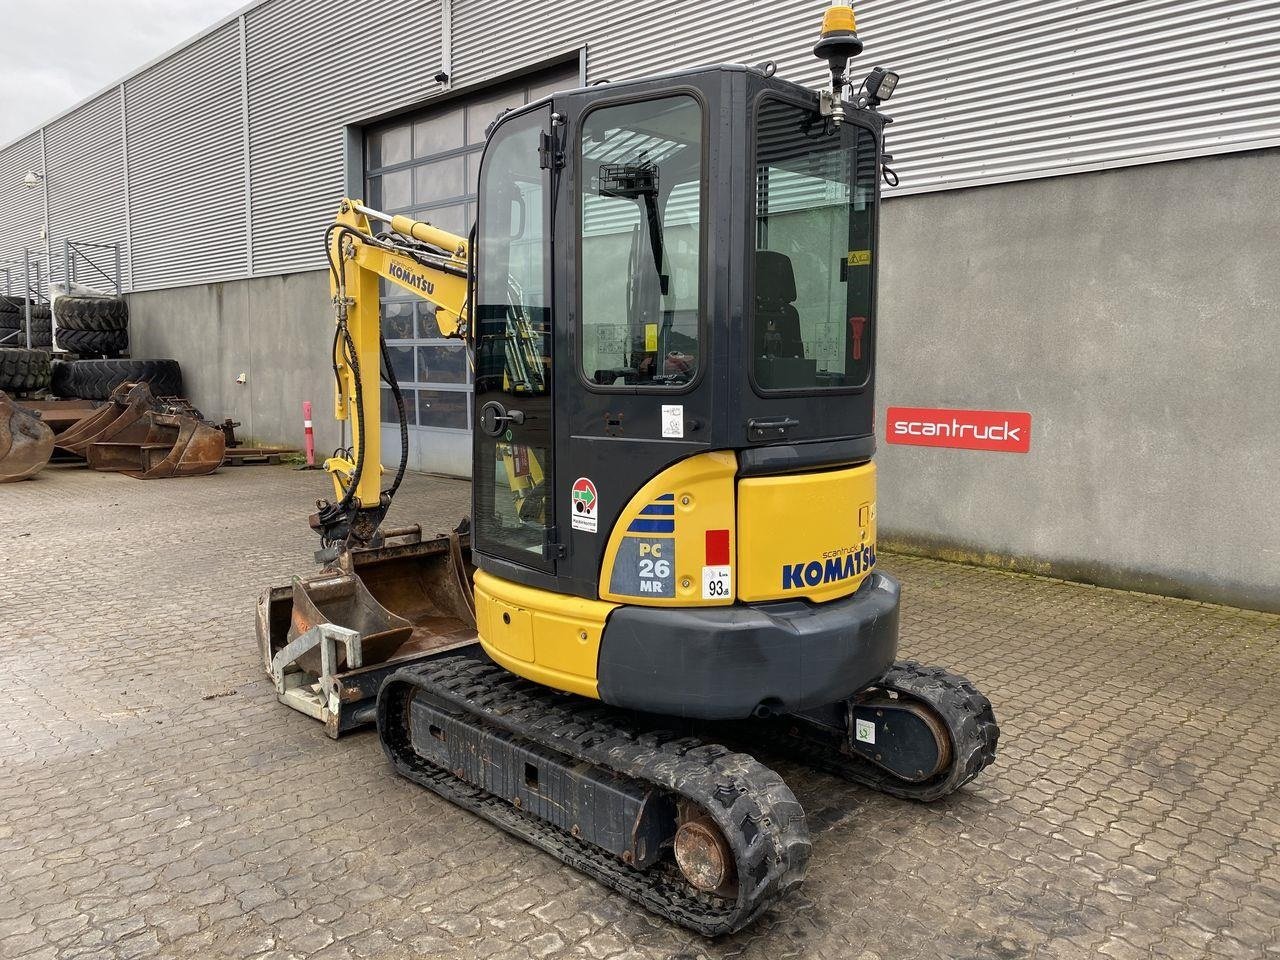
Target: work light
(879, 85)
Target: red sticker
(998, 430)
(717, 548)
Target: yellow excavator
(669, 299)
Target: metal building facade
(222, 158)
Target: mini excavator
(669, 300)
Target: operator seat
(777, 323)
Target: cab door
(513, 474)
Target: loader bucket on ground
(26, 442)
(404, 601)
(157, 446)
(127, 405)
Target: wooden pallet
(256, 456)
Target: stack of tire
(23, 371)
(13, 318)
(96, 331)
(92, 326)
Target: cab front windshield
(814, 208)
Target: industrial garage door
(426, 164)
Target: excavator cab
(674, 325)
(670, 298)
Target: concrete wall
(1136, 315)
(274, 330)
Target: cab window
(812, 266)
(641, 243)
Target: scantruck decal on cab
(996, 430)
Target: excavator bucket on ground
(158, 446)
(126, 405)
(26, 442)
(131, 434)
(328, 641)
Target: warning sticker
(859, 258)
(864, 731)
(650, 337)
(584, 506)
(673, 421)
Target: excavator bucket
(328, 641)
(126, 405)
(157, 446)
(130, 434)
(26, 442)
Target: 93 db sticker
(715, 582)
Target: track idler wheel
(928, 729)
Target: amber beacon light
(838, 44)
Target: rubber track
(751, 804)
(965, 712)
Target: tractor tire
(10, 323)
(60, 378)
(16, 306)
(23, 371)
(95, 379)
(91, 313)
(108, 343)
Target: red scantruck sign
(998, 430)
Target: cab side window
(641, 243)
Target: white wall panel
(235, 143)
(183, 118)
(21, 207)
(314, 68)
(85, 153)
(991, 90)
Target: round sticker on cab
(584, 505)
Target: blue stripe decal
(659, 510)
(652, 526)
(666, 496)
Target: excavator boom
(428, 262)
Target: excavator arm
(428, 262)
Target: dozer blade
(157, 446)
(26, 442)
(125, 407)
(328, 641)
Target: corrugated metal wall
(312, 69)
(235, 142)
(186, 165)
(85, 154)
(21, 207)
(992, 90)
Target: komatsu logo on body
(415, 280)
(835, 565)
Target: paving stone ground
(156, 801)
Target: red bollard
(311, 436)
